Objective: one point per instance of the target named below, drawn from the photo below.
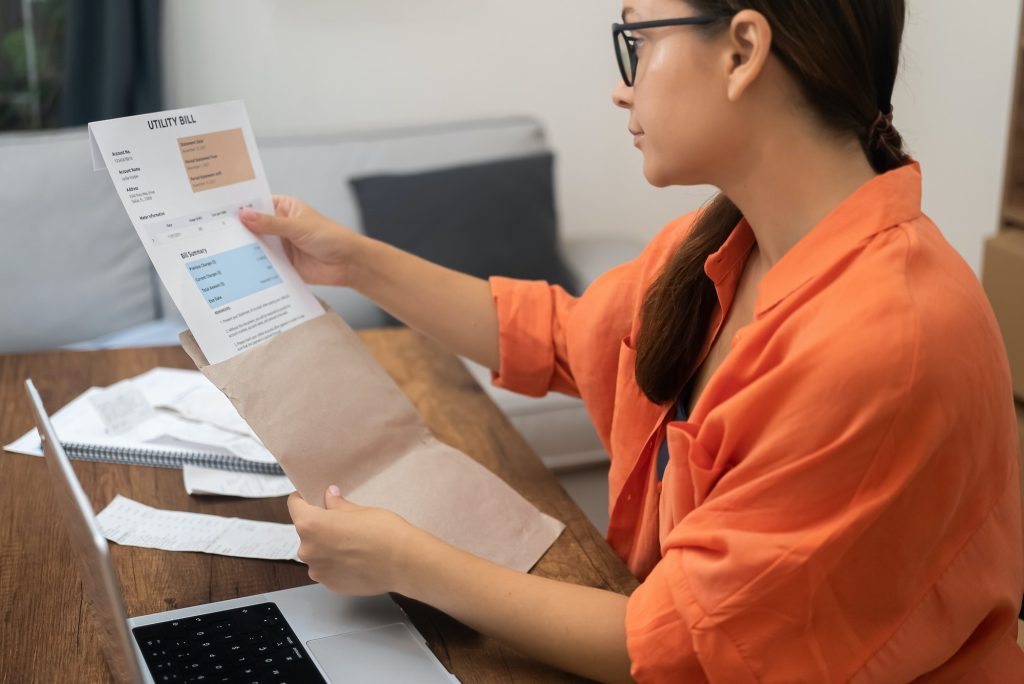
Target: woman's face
(679, 110)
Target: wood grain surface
(46, 631)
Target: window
(31, 63)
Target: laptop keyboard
(250, 644)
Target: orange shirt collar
(731, 254)
(884, 201)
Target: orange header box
(214, 160)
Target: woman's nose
(622, 95)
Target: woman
(802, 387)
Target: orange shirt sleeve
(659, 642)
(820, 519)
(546, 335)
(533, 318)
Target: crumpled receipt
(229, 483)
(131, 523)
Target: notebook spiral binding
(167, 459)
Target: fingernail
(247, 214)
(333, 490)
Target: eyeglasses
(625, 44)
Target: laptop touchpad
(383, 654)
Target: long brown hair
(844, 54)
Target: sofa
(74, 274)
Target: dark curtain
(112, 59)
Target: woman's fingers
(268, 224)
(290, 207)
(298, 509)
(302, 513)
(334, 501)
(350, 548)
(318, 248)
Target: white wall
(318, 65)
(953, 104)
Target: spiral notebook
(119, 424)
(167, 458)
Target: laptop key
(253, 643)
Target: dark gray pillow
(496, 218)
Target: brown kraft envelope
(330, 414)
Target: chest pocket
(688, 479)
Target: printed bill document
(183, 176)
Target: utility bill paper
(183, 176)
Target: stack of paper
(169, 409)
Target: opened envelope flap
(330, 414)
(517, 533)
(321, 404)
(191, 347)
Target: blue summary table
(231, 275)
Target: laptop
(305, 634)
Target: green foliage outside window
(31, 63)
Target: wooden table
(45, 634)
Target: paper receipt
(131, 523)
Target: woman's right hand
(321, 250)
(453, 308)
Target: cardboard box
(1003, 278)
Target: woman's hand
(352, 549)
(321, 250)
(357, 550)
(454, 308)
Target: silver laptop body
(354, 639)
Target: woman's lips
(636, 136)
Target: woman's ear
(750, 43)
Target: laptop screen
(99, 582)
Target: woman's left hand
(352, 549)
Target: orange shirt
(843, 503)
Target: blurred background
(313, 66)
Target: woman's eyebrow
(626, 12)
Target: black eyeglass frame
(620, 29)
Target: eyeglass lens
(627, 58)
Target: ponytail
(677, 309)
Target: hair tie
(882, 132)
